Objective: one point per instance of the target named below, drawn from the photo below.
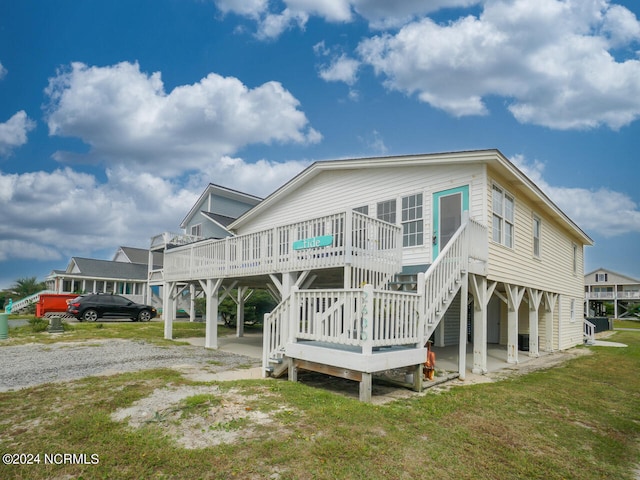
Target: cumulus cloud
(603, 211)
(341, 69)
(240, 175)
(13, 132)
(65, 212)
(127, 118)
(271, 22)
(550, 59)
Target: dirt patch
(227, 419)
(233, 416)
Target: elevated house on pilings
(370, 258)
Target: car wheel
(144, 316)
(90, 315)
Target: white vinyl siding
(518, 266)
(338, 191)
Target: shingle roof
(90, 267)
(136, 255)
(221, 219)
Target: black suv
(92, 306)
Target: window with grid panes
(412, 224)
(386, 211)
(503, 217)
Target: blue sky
(115, 115)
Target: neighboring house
(372, 257)
(126, 274)
(605, 286)
(216, 208)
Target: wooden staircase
(426, 290)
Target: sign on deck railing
(313, 242)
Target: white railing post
(368, 317)
(266, 344)
(291, 330)
(422, 308)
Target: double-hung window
(537, 236)
(196, 230)
(412, 224)
(386, 211)
(503, 217)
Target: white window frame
(537, 236)
(363, 209)
(412, 217)
(503, 220)
(602, 277)
(196, 230)
(386, 211)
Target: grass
(626, 324)
(580, 420)
(148, 331)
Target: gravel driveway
(27, 365)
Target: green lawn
(580, 420)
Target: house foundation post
(464, 320)
(365, 387)
(168, 308)
(535, 296)
(550, 300)
(211, 287)
(240, 312)
(514, 297)
(481, 291)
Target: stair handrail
(440, 282)
(274, 332)
(589, 332)
(28, 300)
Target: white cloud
(379, 13)
(249, 8)
(66, 212)
(3, 71)
(551, 59)
(127, 118)
(603, 211)
(237, 174)
(341, 69)
(13, 133)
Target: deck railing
(172, 239)
(368, 317)
(621, 295)
(365, 318)
(348, 238)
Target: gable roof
(135, 255)
(219, 191)
(492, 157)
(90, 267)
(606, 270)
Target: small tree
(27, 286)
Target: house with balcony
(371, 258)
(604, 286)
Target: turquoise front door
(448, 206)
